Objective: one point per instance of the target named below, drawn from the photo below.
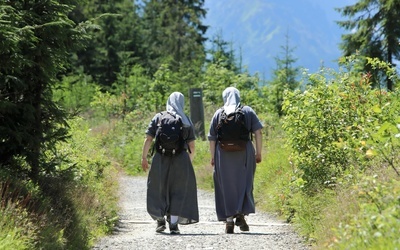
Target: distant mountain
(258, 28)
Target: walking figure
(171, 184)
(234, 159)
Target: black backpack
(169, 135)
(232, 133)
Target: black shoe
(173, 229)
(229, 227)
(160, 226)
(241, 223)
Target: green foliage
(114, 30)
(133, 86)
(140, 92)
(221, 55)
(124, 140)
(202, 162)
(174, 33)
(330, 125)
(340, 130)
(69, 209)
(313, 126)
(373, 33)
(384, 133)
(107, 106)
(75, 93)
(17, 229)
(27, 217)
(217, 78)
(83, 196)
(274, 173)
(37, 40)
(161, 87)
(284, 77)
(375, 226)
(86, 161)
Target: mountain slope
(258, 28)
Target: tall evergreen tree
(284, 76)
(221, 52)
(174, 33)
(36, 39)
(118, 31)
(375, 32)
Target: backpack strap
(184, 139)
(153, 148)
(223, 114)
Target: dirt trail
(136, 229)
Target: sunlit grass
(273, 173)
(202, 165)
(17, 227)
(65, 211)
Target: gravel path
(136, 229)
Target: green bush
(124, 139)
(70, 207)
(340, 131)
(75, 93)
(376, 225)
(331, 126)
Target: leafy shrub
(341, 130)
(124, 140)
(80, 194)
(376, 225)
(331, 125)
(75, 93)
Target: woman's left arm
(192, 148)
(258, 137)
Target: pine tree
(375, 32)
(284, 76)
(117, 31)
(36, 39)
(221, 53)
(174, 33)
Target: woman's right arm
(145, 152)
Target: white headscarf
(175, 105)
(231, 98)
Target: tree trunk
(37, 134)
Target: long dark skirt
(172, 189)
(233, 182)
